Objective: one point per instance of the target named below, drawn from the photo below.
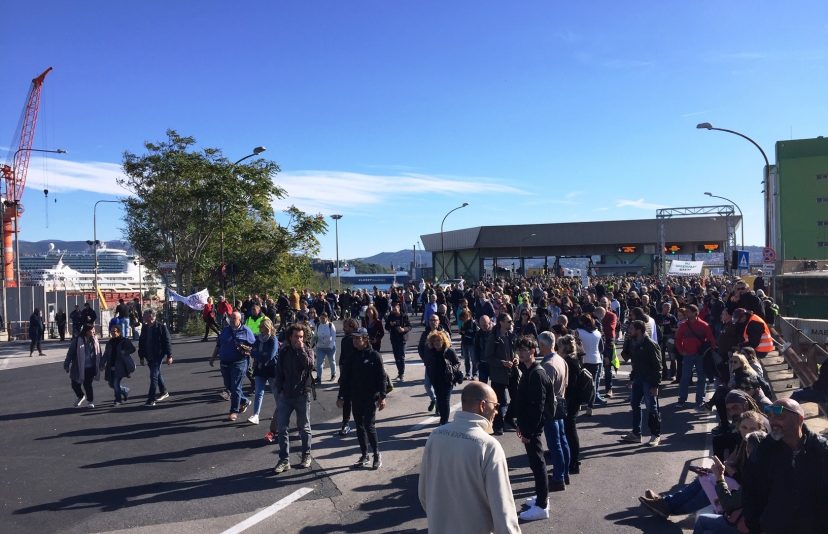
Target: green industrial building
(801, 199)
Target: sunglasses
(777, 409)
(496, 404)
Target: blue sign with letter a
(744, 259)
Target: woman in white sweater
(590, 338)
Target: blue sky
(391, 112)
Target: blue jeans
(321, 354)
(558, 446)
(641, 391)
(156, 380)
(595, 370)
(691, 498)
(124, 324)
(689, 362)
(286, 406)
(120, 391)
(713, 524)
(427, 385)
(261, 382)
(233, 374)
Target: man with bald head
(461, 461)
(786, 478)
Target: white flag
(195, 301)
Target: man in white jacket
(464, 479)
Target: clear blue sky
(393, 112)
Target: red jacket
(224, 308)
(690, 336)
(207, 312)
(609, 324)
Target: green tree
(175, 214)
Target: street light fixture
(442, 243)
(16, 204)
(766, 173)
(742, 217)
(336, 218)
(256, 151)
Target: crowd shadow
(398, 506)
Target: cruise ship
(118, 271)
(350, 277)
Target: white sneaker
(253, 419)
(90, 405)
(530, 502)
(79, 401)
(655, 441)
(163, 396)
(535, 513)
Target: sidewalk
(15, 354)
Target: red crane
(14, 175)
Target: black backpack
(584, 386)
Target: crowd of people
(535, 354)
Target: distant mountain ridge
(31, 248)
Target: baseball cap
(361, 332)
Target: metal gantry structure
(663, 214)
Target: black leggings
(537, 463)
(346, 411)
(365, 416)
(572, 434)
(88, 376)
(398, 346)
(35, 343)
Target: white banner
(195, 301)
(685, 268)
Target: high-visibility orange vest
(766, 341)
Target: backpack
(584, 386)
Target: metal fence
(20, 303)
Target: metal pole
(95, 244)
(442, 243)
(2, 237)
(765, 173)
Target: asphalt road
(181, 466)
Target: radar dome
(51, 247)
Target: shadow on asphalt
(381, 515)
(114, 499)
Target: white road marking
(434, 419)
(269, 511)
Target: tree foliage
(181, 196)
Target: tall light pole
(256, 151)
(95, 243)
(442, 243)
(766, 173)
(336, 218)
(742, 217)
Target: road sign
(744, 260)
(768, 255)
(768, 268)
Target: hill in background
(401, 258)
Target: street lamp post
(766, 173)
(95, 243)
(336, 218)
(256, 151)
(742, 217)
(16, 204)
(442, 243)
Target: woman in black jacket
(468, 331)
(118, 363)
(36, 329)
(567, 349)
(441, 364)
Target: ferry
(350, 277)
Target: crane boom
(15, 175)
